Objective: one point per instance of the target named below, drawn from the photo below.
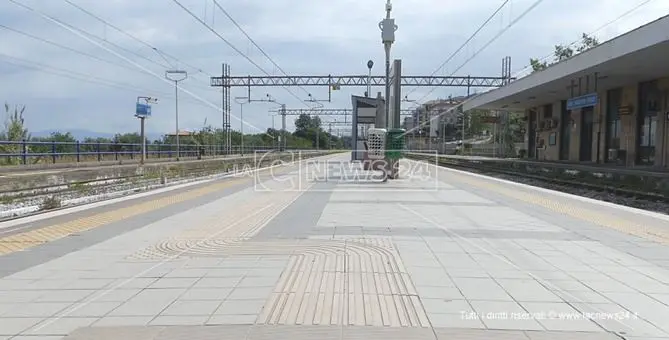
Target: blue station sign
(582, 101)
(143, 110)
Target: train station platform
(322, 249)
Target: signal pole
(388, 29)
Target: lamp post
(176, 76)
(388, 29)
(330, 133)
(370, 64)
(241, 101)
(142, 112)
(273, 131)
(281, 137)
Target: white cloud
(303, 37)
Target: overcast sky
(304, 37)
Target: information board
(143, 110)
(583, 101)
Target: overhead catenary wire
(162, 54)
(74, 50)
(624, 14)
(78, 76)
(494, 38)
(100, 39)
(518, 18)
(90, 35)
(234, 22)
(74, 75)
(85, 37)
(471, 37)
(53, 43)
(158, 51)
(234, 47)
(459, 105)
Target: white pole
(241, 118)
(176, 81)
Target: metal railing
(39, 152)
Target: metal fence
(34, 152)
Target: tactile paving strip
(263, 179)
(24, 240)
(222, 247)
(361, 281)
(221, 233)
(351, 283)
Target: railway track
(34, 201)
(611, 191)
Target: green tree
(58, 142)
(562, 52)
(538, 65)
(587, 42)
(92, 145)
(306, 122)
(65, 142)
(309, 128)
(475, 124)
(510, 131)
(14, 131)
(14, 124)
(128, 138)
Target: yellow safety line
(580, 212)
(28, 239)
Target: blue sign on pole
(582, 101)
(143, 110)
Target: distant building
(436, 116)
(182, 133)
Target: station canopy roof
(636, 56)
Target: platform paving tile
(482, 289)
(184, 320)
(431, 264)
(205, 294)
(240, 307)
(217, 282)
(560, 316)
(94, 309)
(60, 327)
(36, 309)
(237, 319)
(14, 326)
(258, 332)
(618, 319)
(117, 295)
(110, 321)
(186, 308)
(528, 290)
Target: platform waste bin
(395, 144)
(394, 151)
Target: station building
(605, 105)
